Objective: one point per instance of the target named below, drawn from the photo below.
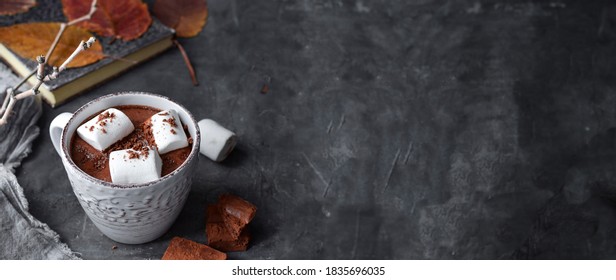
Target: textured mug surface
(131, 214)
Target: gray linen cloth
(21, 235)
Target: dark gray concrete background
(391, 130)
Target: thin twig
(56, 71)
(56, 40)
(11, 97)
(25, 94)
(7, 97)
(24, 80)
(82, 47)
(9, 108)
(63, 27)
(191, 70)
(93, 7)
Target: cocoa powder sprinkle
(106, 115)
(132, 154)
(170, 121)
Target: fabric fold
(22, 236)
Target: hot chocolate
(96, 163)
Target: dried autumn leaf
(187, 17)
(33, 39)
(10, 7)
(124, 19)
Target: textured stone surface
(391, 130)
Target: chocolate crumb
(104, 131)
(264, 89)
(164, 114)
(190, 140)
(99, 161)
(91, 128)
(145, 151)
(105, 115)
(170, 121)
(173, 131)
(148, 135)
(132, 154)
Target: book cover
(73, 81)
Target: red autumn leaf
(30, 40)
(11, 7)
(124, 19)
(187, 17)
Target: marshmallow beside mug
(217, 142)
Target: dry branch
(11, 97)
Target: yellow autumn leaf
(30, 40)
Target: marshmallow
(216, 141)
(105, 129)
(168, 131)
(134, 167)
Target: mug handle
(55, 130)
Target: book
(74, 81)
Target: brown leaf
(187, 17)
(30, 40)
(10, 7)
(124, 19)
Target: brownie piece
(184, 249)
(236, 213)
(218, 236)
(215, 225)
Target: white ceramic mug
(131, 214)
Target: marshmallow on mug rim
(105, 129)
(168, 131)
(134, 167)
(217, 142)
